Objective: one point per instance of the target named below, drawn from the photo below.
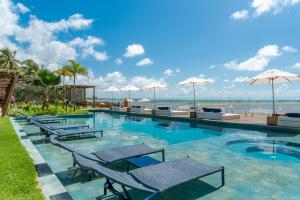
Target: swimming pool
(258, 165)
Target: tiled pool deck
(246, 177)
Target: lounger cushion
(120, 153)
(215, 110)
(296, 115)
(163, 108)
(171, 173)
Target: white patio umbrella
(130, 88)
(112, 89)
(144, 100)
(155, 86)
(273, 76)
(195, 81)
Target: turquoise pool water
(258, 165)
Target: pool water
(258, 165)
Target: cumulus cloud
(241, 14)
(289, 49)
(23, 9)
(274, 6)
(39, 39)
(142, 81)
(134, 50)
(261, 7)
(144, 62)
(297, 65)
(257, 62)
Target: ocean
(238, 106)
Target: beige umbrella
(195, 81)
(155, 86)
(130, 88)
(271, 77)
(112, 89)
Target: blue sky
(227, 41)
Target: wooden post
(8, 94)
(94, 97)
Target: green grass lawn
(18, 178)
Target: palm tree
(30, 67)
(47, 80)
(8, 59)
(75, 69)
(63, 72)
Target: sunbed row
(150, 175)
(204, 113)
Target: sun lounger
(167, 111)
(119, 109)
(289, 120)
(154, 179)
(215, 114)
(58, 126)
(140, 110)
(108, 156)
(44, 118)
(65, 133)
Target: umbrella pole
(273, 96)
(154, 98)
(129, 99)
(112, 98)
(194, 97)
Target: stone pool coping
(224, 124)
(51, 187)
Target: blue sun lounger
(65, 133)
(154, 179)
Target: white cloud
(289, 49)
(88, 47)
(226, 80)
(241, 14)
(257, 62)
(9, 19)
(39, 39)
(134, 50)
(177, 70)
(118, 61)
(240, 79)
(297, 65)
(261, 7)
(23, 9)
(142, 81)
(144, 62)
(212, 66)
(168, 72)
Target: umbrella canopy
(112, 89)
(144, 100)
(155, 86)
(271, 77)
(130, 88)
(195, 81)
